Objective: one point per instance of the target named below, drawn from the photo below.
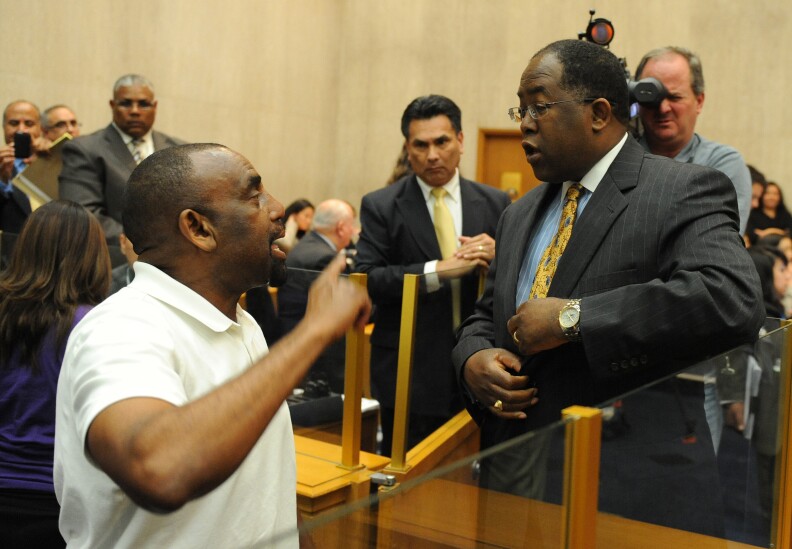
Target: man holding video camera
(669, 128)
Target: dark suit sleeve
(477, 332)
(81, 180)
(377, 251)
(706, 295)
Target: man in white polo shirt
(171, 425)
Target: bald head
(21, 116)
(200, 213)
(161, 187)
(335, 219)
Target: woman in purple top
(59, 269)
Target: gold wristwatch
(569, 319)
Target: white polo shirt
(156, 338)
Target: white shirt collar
(452, 187)
(157, 284)
(592, 179)
(127, 139)
(326, 239)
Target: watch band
(571, 333)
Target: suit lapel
(116, 145)
(159, 141)
(412, 206)
(602, 210)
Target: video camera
(648, 92)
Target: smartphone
(22, 145)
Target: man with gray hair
(334, 228)
(58, 120)
(669, 129)
(96, 167)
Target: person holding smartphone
(22, 131)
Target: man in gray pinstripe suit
(655, 259)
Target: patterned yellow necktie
(446, 237)
(547, 265)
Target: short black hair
(757, 176)
(590, 70)
(429, 106)
(297, 206)
(159, 189)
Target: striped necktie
(446, 237)
(136, 148)
(552, 254)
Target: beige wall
(312, 90)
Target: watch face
(569, 317)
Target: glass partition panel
(454, 506)
(316, 405)
(695, 451)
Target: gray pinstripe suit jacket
(656, 258)
(95, 171)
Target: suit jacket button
(614, 366)
(644, 359)
(625, 364)
(634, 362)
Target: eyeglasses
(128, 104)
(62, 124)
(538, 110)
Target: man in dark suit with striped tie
(651, 276)
(96, 167)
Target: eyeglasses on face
(538, 110)
(128, 104)
(62, 124)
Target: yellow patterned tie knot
(552, 254)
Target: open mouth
(531, 151)
(276, 252)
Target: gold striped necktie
(552, 254)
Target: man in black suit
(654, 275)
(333, 230)
(96, 167)
(399, 237)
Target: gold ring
(498, 405)
(514, 337)
(481, 248)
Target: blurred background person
(401, 169)
(59, 270)
(58, 120)
(334, 228)
(18, 117)
(124, 273)
(771, 217)
(758, 184)
(299, 216)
